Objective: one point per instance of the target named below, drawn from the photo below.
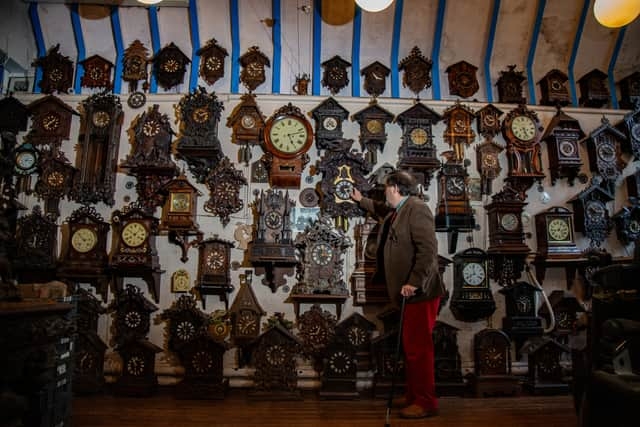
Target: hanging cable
(552, 317)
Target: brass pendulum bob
(342, 222)
(244, 154)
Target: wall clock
(448, 364)
(57, 71)
(545, 374)
(458, 132)
(212, 61)
(170, 66)
(555, 235)
(562, 136)
(198, 143)
(253, 62)
(14, 116)
(247, 125)
(372, 120)
(339, 370)
(180, 281)
(97, 72)
(492, 364)
(329, 116)
(134, 69)
(55, 181)
(488, 164)
(553, 87)
(36, 247)
(316, 328)
(88, 372)
(627, 221)
(488, 121)
(472, 299)
(594, 92)
(363, 289)
(132, 314)
(375, 78)
(591, 214)
(272, 251)
(630, 126)
(417, 153)
(633, 184)
(138, 376)
(386, 363)
(246, 313)
(213, 269)
(630, 91)
(462, 79)
(356, 332)
(287, 138)
(510, 86)
(184, 323)
(224, 182)
(417, 71)
(50, 121)
(565, 307)
(335, 76)
(25, 164)
(603, 148)
(522, 320)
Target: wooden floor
(163, 410)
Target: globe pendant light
(149, 2)
(374, 5)
(616, 13)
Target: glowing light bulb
(616, 13)
(374, 5)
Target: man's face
(390, 191)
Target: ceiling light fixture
(149, 2)
(616, 13)
(374, 5)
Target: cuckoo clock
(57, 71)
(179, 213)
(97, 72)
(417, 71)
(417, 152)
(246, 313)
(387, 363)
(545, 374)
(488, 121)
(319, 277)
(150, 159)
(36, 246)
(627, 221)
(316, 328)
(522, 131)
(594, 92)
(488, 164)
(553, 87)
(224, 182)
(510, 86)
(522, 320)
(55, 181)
(591, 214)
(357, 330)
(134, 69)
(272, 251)
(85, 259)
(633, 184)
(364, 290)
(247, 125)
(375, 78)
(202, 359)
(212, 61)
(372, 121)
(448, 363)
(554, 233)
(603, 147)
(132, 314)
(507, 249)
(198, 142)
(170, 66)
(630, 126)
(339, 370)
(138, 376)
(185, 322)
(276, 375)
(26, 163)
(562, 137)
(453, 214)
(492, 364)
(472, 299)
(329, 116)
(13, 116)
(458, 132)
(50, 121)
(214, 263)
(253, 62)
(565, 308)
(97, 155)
(630, 91)
(462, 79)
(88, 372)
(133, 252)
(335, 76)
(342, 170)
(287, 138)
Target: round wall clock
(289, 135)
(134, 234)
(136, 100)
(309, 198)
(523, 128)
(84, 240)
(509, 221)
(101, 119)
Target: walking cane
(395, 367)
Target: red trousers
(417, 342)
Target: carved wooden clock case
(510, 86)
(253, 62)
(448, 363)
(357, 330)
(339, 370)
(170, 66)
(212, 61)
(224, 184)
(50, 122)
(247, 126)
(590, 212)
(545, 374)
(462, 79)
(375, 77)
(363, 289)
(246, 313)
(562, 136)
(316, 328)
(57, 71)
(458, 132)
(492, 357)
(36, 247)
(55, 181)
(329, 116)
(604, 149)
(594, 92)
(627, 221)
(417, 71)
(522, 320)
(630, 125)
(97, 72)
(630, 91)
(134, 69)
(88, 372)
(553, 87)
(335, 76)
(472, 299)
(213, 269)
(372, 120)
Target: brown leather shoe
(415, 411)
(399, 403)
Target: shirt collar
(404, 199)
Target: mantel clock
(472, 299)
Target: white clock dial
(473, 274)
(83, 240)
(26, 160)
(524, 128)
(559, 229)
(134, 234)
(330, 123)
(509, 222)
(288, 135)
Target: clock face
(606, 152)
(489, 161)
(547, 363)
(523, 128)
(565, 320)
(455, 185)
(215, 260)
(255, 69)
(318, 335)
(288, 134)
(185, 330)
(276, 355)
(595, 210)
(558, 229)
(489, 120)
(419, 136)
(134, 234)
(135, 65)
(273, 220)
(151, 128)
(213, 63)
(87, 362)
(343, 189)
(493, 357)
(329, 123)
(200, 115)
(635, 131)
(337, 74)
(459, 126)
(26, 160)
(321, 254)
(202, 362)
(634, 226)
(96, 73)
(556, 85)
(248, 121)
(225, 191)
(55, 75)
(473, 274)
(132, 319)
(170, 66)
(180, 202)
(247, 323)
(524, 304)
(101, 119)
(568, 148)
(509, 222)
(340, 362)
(180, 281)
(55, 179)
(135, 366)
(84, 240)
(375, 126)
(464, 80)
(51, 122)
(357, 336)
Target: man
(409, 266)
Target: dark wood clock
(150, 159)
(603, 148)
(253, 62)
(36, 248)
(212, 57)
(472, 299)
(448, 363)
(50, 121)
(131, 313)
(133, 252)
(339, 370)
(85, 258)
(179, 214)
(488, 121)
(562, 136)
(198, 142)
(463, 81)
(26, 163)
(591, 214)
(375, 78)
(55, 181)
(492, 364)
(57, 71)
(545, 374)
(247, 125)
(522, 320)
(627, 221)
(357, 330)
(633, 184)
(13, 119)
(417, 71)
(372, 120)
(553, 87)
(363, 289)
(97, 155)
(488, 164)
(417, 152)
(287, 138)
(272, 251)
(97, 72)
(224, 182)
(329, 116)
(246, 313)
(202, 359)
(386, 364)
(594, 92)
(134, 69)
(88, 372)
(138, 376)
(170, 66)
(510, 86)
(630, 91)
(459, 132)
(185, 322)
(630, 126)
(214, 262)
(316, 328)
(565, 308)
(335, 76)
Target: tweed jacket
(410, 254)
